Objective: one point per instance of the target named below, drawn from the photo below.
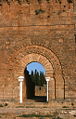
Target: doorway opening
(35, 82)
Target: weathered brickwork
(40, 91)
(38, 31)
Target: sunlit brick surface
(47, 37)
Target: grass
(57, 118)
(69, 108)
(20, 107)
(34, 115)
(28, 107)
(41, 116)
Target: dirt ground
(36, 110)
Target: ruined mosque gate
(42, 31)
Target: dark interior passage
(35, 85)
(30, 86)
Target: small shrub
(6, 104)
(65, 107)
(72, 104)
(1, 105)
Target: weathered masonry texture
(38, 31)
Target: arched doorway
(35, 82)
(51, 63)
(49, 72)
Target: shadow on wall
(30, 85)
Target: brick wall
(49, 25)
(40, 91)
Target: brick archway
(51, 63)
(33, 57)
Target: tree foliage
(38, 78)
